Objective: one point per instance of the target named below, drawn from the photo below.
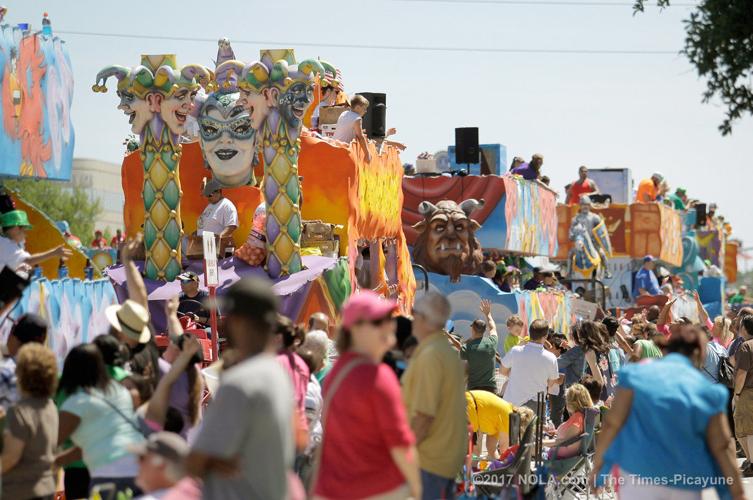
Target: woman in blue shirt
(667, 431)
(99, 418)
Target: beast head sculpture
(446, 242)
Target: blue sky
(641, 111)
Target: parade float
(697, 255)
(306, 183)
(449, 221)
(36, 142)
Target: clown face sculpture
(258, 104)
(294, 102)
(227, 139)
(174, 110)
(447, 243)
(137, 110)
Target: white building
(102, 181)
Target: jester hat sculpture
(277, 93)
(447, 242)
(157, 97)
(228, 141)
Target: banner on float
(74, 310)
(36, 86)
(466, 295)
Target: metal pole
(213, 323)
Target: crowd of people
(378, 406)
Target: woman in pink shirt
(285, 336)
(367, 448)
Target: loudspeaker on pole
(466, 145)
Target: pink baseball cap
(366, 306)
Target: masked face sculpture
(294, 102)
(447, 243)
(137, 110)
(227, 139)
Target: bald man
(318, 321)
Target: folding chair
(569, 477)
(515, 476)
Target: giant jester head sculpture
(177, 89)
(225, 131)
(134, 85)
(155, 87)
(278, 82)
(447, 243)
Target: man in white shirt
(220, 215)
(531, 368)
(350, 124)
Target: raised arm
(174, 328)
(136, 286)
(156, 410)
(703, 315)
(665, 316)
(486, 310)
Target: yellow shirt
(488, 413)
(434, 385)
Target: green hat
(15, 218)
(680, 190)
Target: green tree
(719, 43)
(60, 202)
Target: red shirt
(577, 189)
(366, 419)
(99, 243)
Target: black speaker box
(466, 146)
(700, 214)
(375, 119)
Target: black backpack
(726, 372)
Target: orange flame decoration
(36, 92)
(34, 151)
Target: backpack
(726, 372)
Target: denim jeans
(556, 409)
(437, 487)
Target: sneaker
(745, 464)
(747, 472)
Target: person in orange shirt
(649, 189)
